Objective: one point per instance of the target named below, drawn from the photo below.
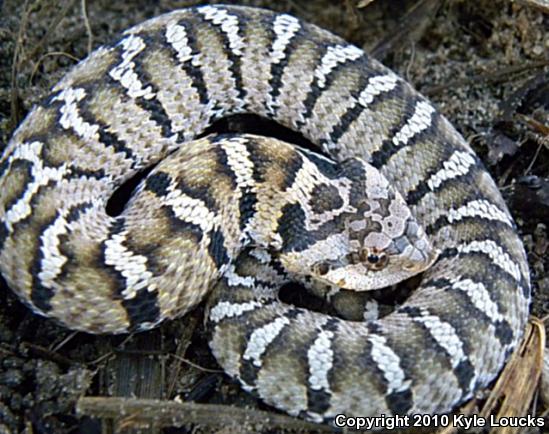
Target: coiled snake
(245, 213)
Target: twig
(14, 106)
(53, 53)
(19, 60)
(363, 3)
(174, 369)
(45, 353)
(489, 77)
(112, 353)
(38, 47)
(411, 61)
(534, 158)
(65, 340)
(131, 412)
(410, 28)
(196, 366)
(542, 5)
(88, 26)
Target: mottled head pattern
(365, 235)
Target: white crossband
(125, 73)
(261, 338)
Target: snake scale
(396, 189)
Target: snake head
(379, 261)
(374, 242)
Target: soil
(485, 65)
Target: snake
(387, 190)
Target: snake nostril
(354, 258)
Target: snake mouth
(373, 270)
(359, 277)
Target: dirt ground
(485, 64)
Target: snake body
(141, 101)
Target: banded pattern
(137, 103)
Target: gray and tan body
(131, 104)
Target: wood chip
(514, 390)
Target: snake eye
(322, 268)
(374, 260)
